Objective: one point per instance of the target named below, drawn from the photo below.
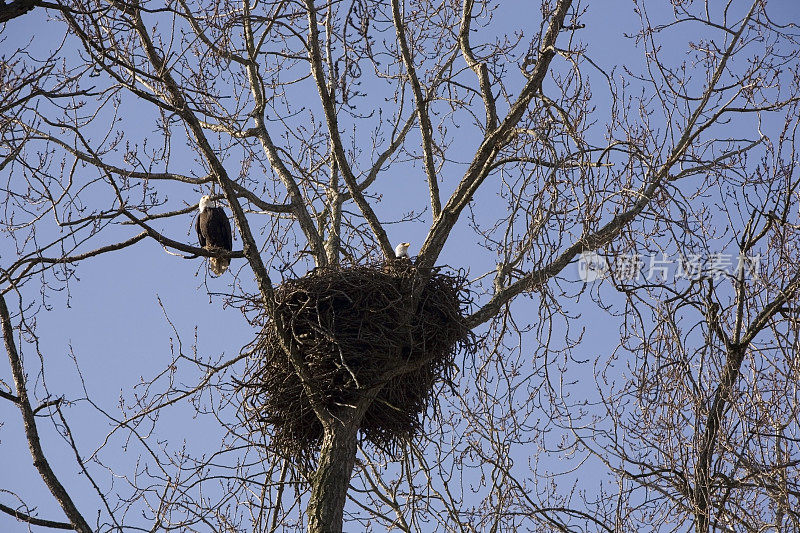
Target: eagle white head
(401, 250)
(206, 202)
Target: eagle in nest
(401, 257)
(401, 250)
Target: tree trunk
(332, 478)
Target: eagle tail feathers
(219, 265)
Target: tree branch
(298, 204)
(495, 139)
(19, 515)
(480, 69)
(31, 432)
(425, 128)
(15, 9)
(315, 56)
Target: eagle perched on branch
(214, 233)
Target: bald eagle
(214, 233)
(401, 250)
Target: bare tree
(521, 134)
(706, 421)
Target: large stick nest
(356, 328)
